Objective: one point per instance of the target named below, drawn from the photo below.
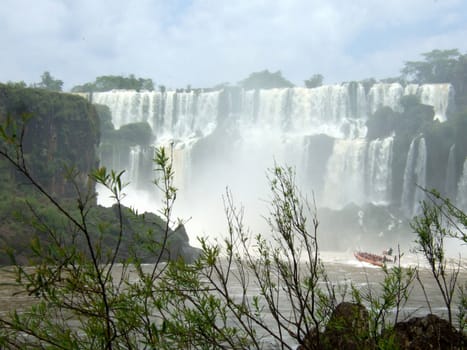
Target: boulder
(348, 328)
(429, 332)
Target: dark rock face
(429, 332)
(346, 329)
(61, 130)
(179, 246)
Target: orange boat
(374, 259)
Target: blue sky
(206, 42)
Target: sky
(207, 42)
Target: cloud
(204, 42)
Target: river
(342, 269)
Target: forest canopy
(111, 82)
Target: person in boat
(388, 251)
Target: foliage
(59, 130)
(415, 119)
(75, 278)
(49, 83)
(135, 133)
(105, 119)
(110, 82)
(395, 290)
(440, 219)
(16, 84)
(86, 295)
(315, 81)
(440, 66)
(265, 80)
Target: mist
(227, 139)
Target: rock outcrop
(60, 130)
(348, 329)
(428, 332)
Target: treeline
(437, 66)
(111, 82)
(102, 83)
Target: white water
(461, 199)
(450, 183)
(414, 177)
(440, 96)
(345, 174)
(379, 178)
(268, 126)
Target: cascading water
(440, 96)
(385, 95)
(420, 176)
(379, 174)
(359, 172)
(414, 177)
(450, 183)
(461, 199)
(215, 145)
(345, 180)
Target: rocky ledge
(349, 324)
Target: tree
(265, 80)
(49, 83)
(86, 298)
(111, 82)
(439, 66)
(315, 81)
(440, 220)
(16, 84)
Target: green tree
(440, 220)
(111, 82)
(49, 83)
(315, 81)
(265, 80)
(88, 298)
(439, 66)
(16, 84)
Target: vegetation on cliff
(62, 132)
(265, 80)
(83, 299)
(111, 82)
(59, 135)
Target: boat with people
(375, 259)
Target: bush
(87, 297)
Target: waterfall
(359, 172)
(440, 96)
(450, 180)
(420, 176)
(345, 181)
(379, 175)
(230, 137)
(385, 95)
(406, 202)
(134, 166)
(414, 177)
(272, 109)
(461, 199)
(172, 115)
